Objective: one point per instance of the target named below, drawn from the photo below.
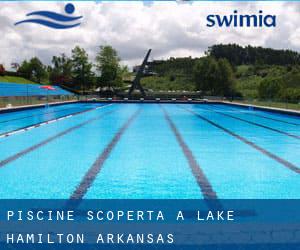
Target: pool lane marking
(266, 117)
(94, 170)
(6, 134)
(50, 139)
(280, 160)
(38, 114)
(201, 179)
(27, 128)
(256, 124)
(273, 119)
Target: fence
(14, 94)
(295, 105)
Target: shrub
(269, 88)
(290, 95)
(2, 70)
(213, 76)
(172, 78)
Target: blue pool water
(149, 151)
(17, 120)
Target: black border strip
(94, 170)
(50, 139)
(280, 160)
(256, 124)
(203, 182)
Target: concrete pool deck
(32, 106)
(265, 108)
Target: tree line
(76, 71)
(271, 73)
(284, 87)
(238, 55)
(209, 75)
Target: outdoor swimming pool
(173, 151)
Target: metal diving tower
(136, 82)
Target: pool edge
(263, 108)
(34, 106)
(242, 105)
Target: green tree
(238, 55)
(38, 70)
(205, 74)
(61, 71)
(213, 76)
(33, 70)
(108, 65)
(25, 69)
(290, 94)
(83, 76)
(270, 88)
(224, 83)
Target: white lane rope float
(21, 130)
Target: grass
(165, 83)
(248, 86)
(15, 79)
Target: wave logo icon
(54, 20)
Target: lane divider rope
(17, 131)
(260, 149)
(50, 139)
(255, 124)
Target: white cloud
(169, 28)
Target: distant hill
(259, 73)
(239, 55)
(274, 82)
(172, 74)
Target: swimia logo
(54, 20)
(239, 20)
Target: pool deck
(19, 108)
(263, 108)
